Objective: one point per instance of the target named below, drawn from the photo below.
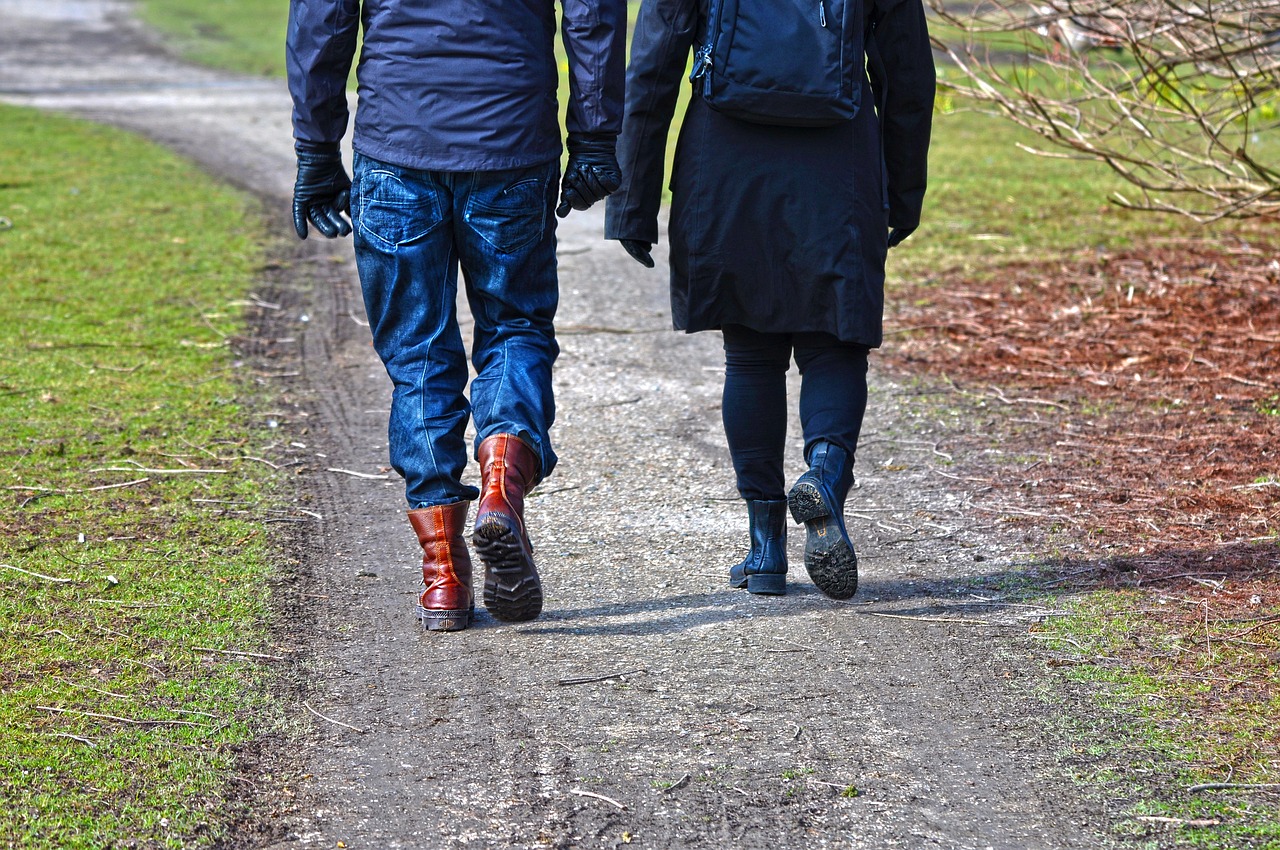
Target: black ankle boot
(817, 500)
(765, 568)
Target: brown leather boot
(447, 603)
(508, 470)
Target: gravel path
(726, 719)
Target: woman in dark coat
(778, 239)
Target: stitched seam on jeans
(422, 378)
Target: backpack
(796, 63)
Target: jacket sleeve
(319, 49)
(664, 36)
(904, 85)
(595, 41)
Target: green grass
(1176, 703)
(122, 264)
(241, 35)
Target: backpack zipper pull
(822, 14)
(701, 62)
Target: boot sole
(512, 590)
(434, 620)
(828, 556)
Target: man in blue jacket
(457, 153)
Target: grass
(122, 266)
(1191, 705)
(242, 35)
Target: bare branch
(1174, 96)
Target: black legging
(833, 399)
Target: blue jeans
(413, 229)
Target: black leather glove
(592, 173)
(639, 251)
(322, 192)
(897, 234)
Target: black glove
(897, 234)
(322, 191)
(592, 173)
(639, 251)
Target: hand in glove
(639, 251)
(592, 173)
(897, 234)
(322, 192)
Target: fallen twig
(84, 741)
(1055, 637)
(1234, 786)
(1200, 822)
(596, 796)
(91, 688)
(358, 474)
(327, 719)
(35, 574)
(932, 619)
(132, 721)
(586, 680)
(158, 471)
(53, 491)
(678, 784)
(238, 653)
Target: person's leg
(408, 275)
(754, 409)
(506, 243)
(833, 400)
(833, 391)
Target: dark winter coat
(455, 85)
(780, 229)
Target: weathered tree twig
(328, 719)
(585, 680)
(132, 721)
(239, 653)
(41, 576)
(579, 792)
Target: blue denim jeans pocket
(513, 217)
(394, 206)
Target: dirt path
(730, 720)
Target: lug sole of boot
(767, 584)
(434, 620)
(512, 590)
(828, 556)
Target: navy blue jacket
(455, 85)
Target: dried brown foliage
(1151, 380)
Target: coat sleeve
(595, 41)
(904, 84)
(660, 48)
(319, 49)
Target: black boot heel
(764, 570)
(767, 584)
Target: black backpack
(796, 63)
